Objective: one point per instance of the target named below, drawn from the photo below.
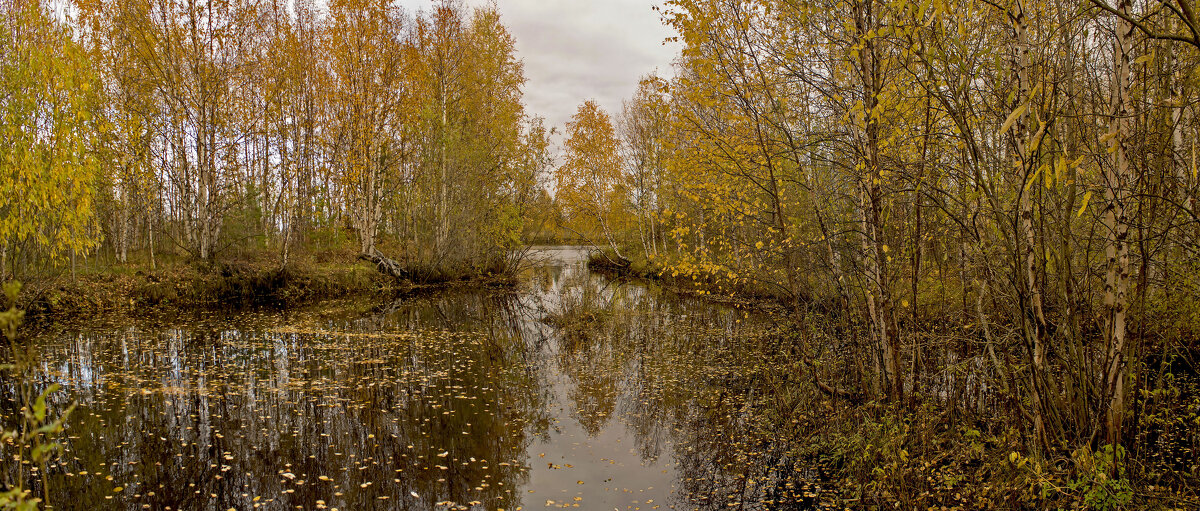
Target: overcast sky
(576, 50)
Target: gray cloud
(576, 50)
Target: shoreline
(653, 273)
(233, 285)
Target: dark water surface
(574, 391)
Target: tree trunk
(1032, 317)
(443, 228)
(879, 299)
(121, 238)
(1116, 226)
(150, 240)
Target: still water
(572, 391)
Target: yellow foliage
(48, 165)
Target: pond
(572, 391)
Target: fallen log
(387, 266)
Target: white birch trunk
(1117, 180)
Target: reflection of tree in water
(736, 455)
(213, 419)
(691, 378)
(587, 351)
(593, 366)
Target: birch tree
(49, 167)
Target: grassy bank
(244, 282)
(188, 285)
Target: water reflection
(576, 391)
